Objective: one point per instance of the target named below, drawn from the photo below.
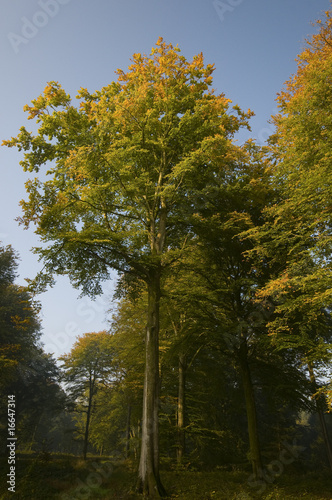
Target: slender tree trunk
(128, 431)
(181, 409)
(33, 436)
(88, 415)
(149, 481)
(255, 454)
(321, 416)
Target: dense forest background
(218, 351)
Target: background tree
(296, 236)
(88, 365)
(26, 370)
(297, 232)
(19, 322)
(40, 401)
(232, 203)
(117, 418)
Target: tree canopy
(123, 165)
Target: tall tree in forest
(233, 203)
(296, 238)
(124, 166)
(186, 303)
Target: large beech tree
(125, 167)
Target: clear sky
(80, 43)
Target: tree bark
(181, 409)
(149, 481)
(88, 415)
(255, 454)
(321, 415)
(128, 431)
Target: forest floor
(53, 477)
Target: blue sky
(80, 43)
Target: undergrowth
(70, 478)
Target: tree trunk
(128, 431)
(149, 481)
(255, 454)
(180, 409)
(88, 415)
(34, 433)
(320, 412)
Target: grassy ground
(69, 478)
